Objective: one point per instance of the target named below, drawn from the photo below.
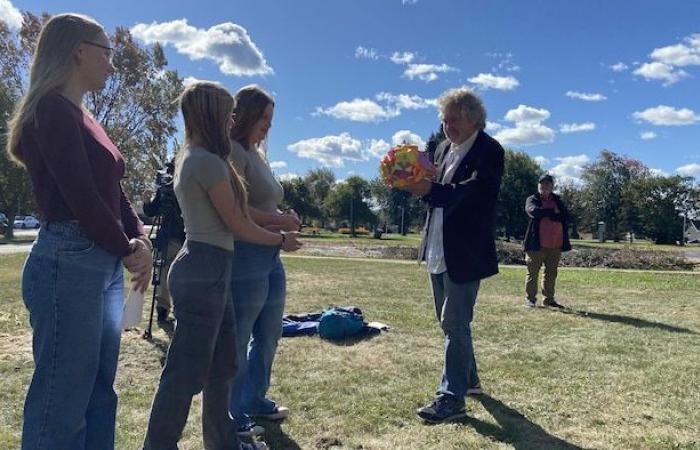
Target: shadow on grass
(276, 438)
(626, 320)
(162, 344)
(514, 428)
(352, 340)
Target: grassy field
(412, 239)
(619, 369)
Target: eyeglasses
(110, 50)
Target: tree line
(138, 110)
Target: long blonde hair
(251, 102)
(206, 109)
(51, 67)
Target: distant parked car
(26, 222)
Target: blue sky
(560, 80)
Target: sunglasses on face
(109, 50)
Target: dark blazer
(534, 209)
(469, 213)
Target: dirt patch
(351, 250)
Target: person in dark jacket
(171, 234)
(458, 241)
(545, 239)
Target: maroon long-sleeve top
(76, 171)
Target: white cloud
(569, 168)
(528, 129)
(288, 176)
(666, 61)
(227, 44)
(407, 137)
(385, 107)
(10, 15)
(647, 135)
(358, 110)
(527, 114)
(667, 115)
(681, 55)
(689, 170)
(493, 126)
(525, 134)
(402, 58)
(278, 164)
(491, 81)
(427, 72)
(330, 151)
(187, 81)
(506, 62)
(378, 148)
(405, 101)
(660, 71)
(658, 173)
(541, 160)
(576, 127)
(619, 67)
(586, 96)
(409, 2)
(366, 53)
(335, 150)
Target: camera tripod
(159, 260)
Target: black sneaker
(552, 304)
(443, 409)
(530, 304)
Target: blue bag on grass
(339, 323)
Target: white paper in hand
(133, 309)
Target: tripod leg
(155, 280)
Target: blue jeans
(259, 290)
(201, 355)
(454, 308)
(74, 291)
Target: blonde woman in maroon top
(73, 282)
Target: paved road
(19, 248)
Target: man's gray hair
(467, 102)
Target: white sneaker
(279, 413)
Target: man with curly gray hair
(459, 240)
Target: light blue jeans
(259, 290)
(454, 308)
(74, 291)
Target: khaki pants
(534, 259)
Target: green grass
(638, 244)
(411, 239)
(620, 370)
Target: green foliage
(663, 222)
(298, 197)
(349, 201)
(604, 183)
(396, 207)
(520, 176)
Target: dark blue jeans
(202, 353)
(74, 291)
(454, 308)
(259, 289)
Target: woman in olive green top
(201, 357)
(258, 278)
